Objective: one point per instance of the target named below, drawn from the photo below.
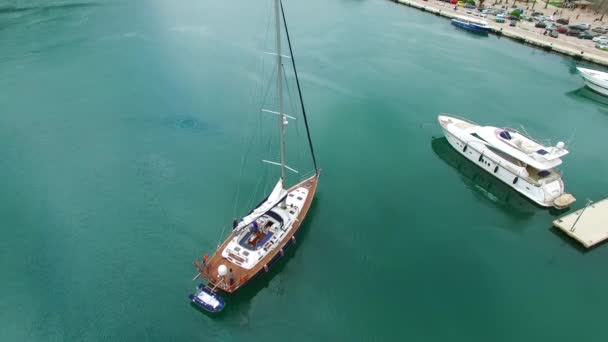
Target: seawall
(579, 53)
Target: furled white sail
(276, 196)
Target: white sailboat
(595, 79)
(517, 160)
(261, 237)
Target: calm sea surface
(127, 126)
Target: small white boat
(595, 80)
(518, 161)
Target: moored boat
(520, 162)
(207, 299)
(595, 80)
(261, 237)
(471, 24)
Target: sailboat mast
(282, 118)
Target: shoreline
(526, 37)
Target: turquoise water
(127, 125)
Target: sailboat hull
(242, 275)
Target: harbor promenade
(524, 32)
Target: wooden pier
(588, 225)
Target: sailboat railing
(308, 174)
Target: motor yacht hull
(544, 195)
(595, 80)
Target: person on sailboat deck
(254, 227)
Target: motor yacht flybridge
(517, 160)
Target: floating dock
(588, 225)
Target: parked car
(540, 24)
(585, 26)
(553, 33)
(600, 30)
(551, 26)
(600, 38)
(468, 5)
(573, 32)
(461, 3)
(563, 21)
(562, 29)
(580, 27)
(535, 14)
(585, 35)
(601, 46)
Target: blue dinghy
(207, 299)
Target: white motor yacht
(596, 80)
(517, 160)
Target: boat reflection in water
(482, 183)
(586, 93)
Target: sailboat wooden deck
(242, 275)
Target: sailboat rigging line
(277, 113)
(292, 107)
(293, 110)
(274, 54)
(279, 164)
(293, 63)
(247, 147)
